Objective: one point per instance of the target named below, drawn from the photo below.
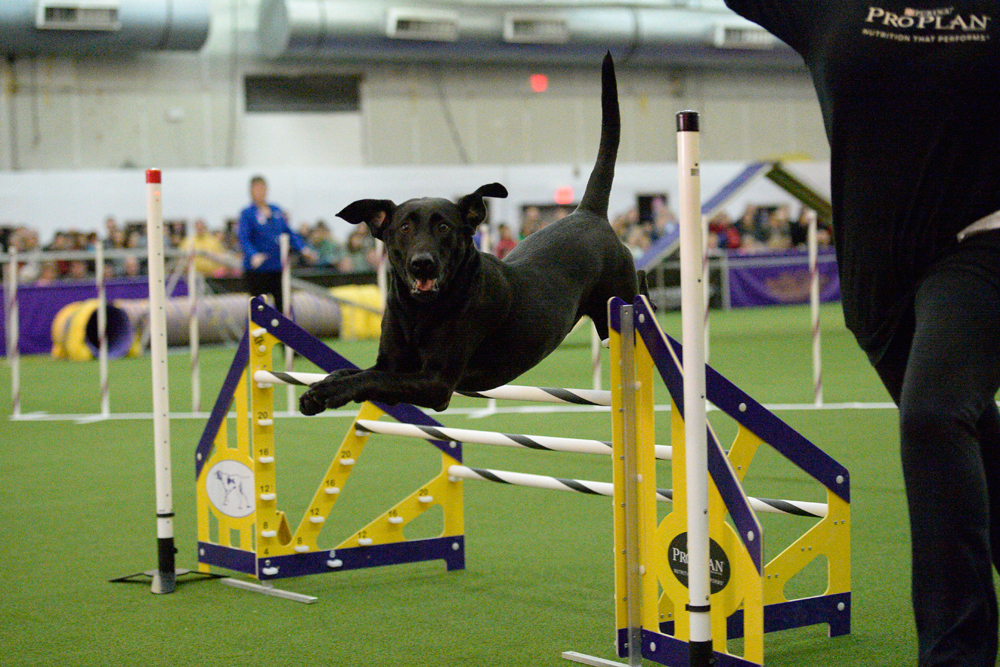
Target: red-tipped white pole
(165, 579)
(692, 249)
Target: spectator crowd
(761, 228)
(125, 250)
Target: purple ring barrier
(39, 304)
(774, 284)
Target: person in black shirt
(909, 93)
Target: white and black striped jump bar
(543, 442)
(513, 392)
(768, 505)
(507, 392)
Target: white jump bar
(544, 442)
(507, 392)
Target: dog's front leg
(425, 389)
(394, 378)
(389, 387)
(340, 387)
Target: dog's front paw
(331, 392)
(309, 404)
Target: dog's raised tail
(595, 197)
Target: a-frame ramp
(772, 170)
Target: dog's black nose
(423, 265)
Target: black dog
(459, 319)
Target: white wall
(302, 139)
(58, 200)
(187, 110)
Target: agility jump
(241, 527)
(682, 590)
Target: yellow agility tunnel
(74, 332)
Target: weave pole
(706, 283)
(486, 246)
(692, 246)
(194, 336)
(102, 329)
(595, 357)
(382, 271)
(165, 580)
(286, 306)
(13, 332)
(817, 349)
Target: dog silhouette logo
(229, 486)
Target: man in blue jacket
(261, 226)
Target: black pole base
(162, 583)
(701, 654)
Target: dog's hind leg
(596, 306)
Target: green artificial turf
(78, 509)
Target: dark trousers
(943, 371)
(265, 282)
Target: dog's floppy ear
(472, 206)
(376, 213)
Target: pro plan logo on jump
(718, 562)
(927, 25)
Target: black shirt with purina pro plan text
(910, 95)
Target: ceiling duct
(449, 32)
(77, 15)
(743, 37)
(422, 24)
(102, 27)
(535, 29)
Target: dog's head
(426, 239)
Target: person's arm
(788, 20)
(295, 240)
(253, 257)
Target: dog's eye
(443, 227)
(405, 227)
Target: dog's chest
(426, 329)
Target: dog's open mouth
(424, 285)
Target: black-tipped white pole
(696, 446)
(165, 578)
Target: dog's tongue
(424, 285)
